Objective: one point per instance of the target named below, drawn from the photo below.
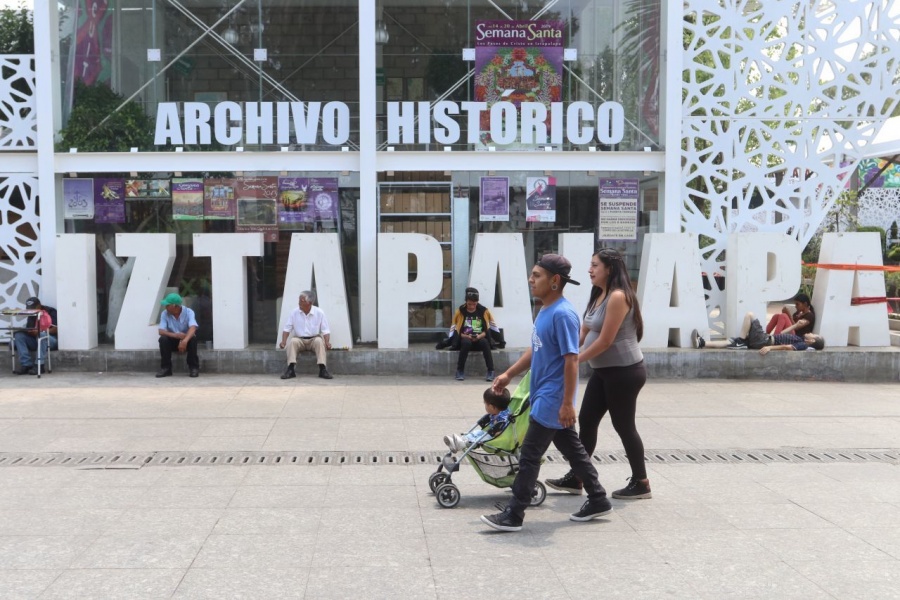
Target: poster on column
(257, 210)
(517, 61)
(618, 209)
(540, 199)
(494, 200)
(187, 199)
(78, 198)
(109, 200)
(218, 199)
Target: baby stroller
(496, 460)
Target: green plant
(16, 30)
(96, 126)
(892, 284)
(893, 255)
(807, 279)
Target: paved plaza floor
(760, 490)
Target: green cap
(172, 298)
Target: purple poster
(187, 199)
(540, 199)
(218, 198)
(306, 200)
(109, 200)
(494, 199)
(517, 61)
(618, 209)
(78, 198)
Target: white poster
(78, 198)
(618, 209)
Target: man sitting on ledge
(177, 331)
(311, 334)
(752, 336)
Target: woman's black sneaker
(635, 490)
(567, 483)
(503, 521)
(592, 509)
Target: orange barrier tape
(886, 268)
(871, 300)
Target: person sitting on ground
(496, 406)
(800, 322)
(311, 334)
(177, 331)
(26, 341)
(472, 326)
(752, 336)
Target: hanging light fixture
(230, 35)
(381, 33)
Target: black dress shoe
(289, 373)
(164, 373)
(324, 374)
(23, 371)
(195, 372)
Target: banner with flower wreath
(517, 61)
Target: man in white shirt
(311, 334)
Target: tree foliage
(16, 31)
(124, 129)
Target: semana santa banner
(618, 209)
(256, 205)
(517, 61)
(109, 200)
(540, 199)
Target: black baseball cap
(558, 265)
(471, 294)
(32, 302)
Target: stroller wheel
(539, 494)
(436, 480)
(447, 495)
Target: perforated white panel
(18, 119)
(879, 207)
(779, 98)
(20, 253)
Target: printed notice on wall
(78, 198)
(494, 201)
(618, 209)
(540, 199)
(109, 200)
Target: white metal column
(367, 218)
(671, 192)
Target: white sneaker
(456, 442)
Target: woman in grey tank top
(610, 332)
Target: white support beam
(516, 161)
(367, 216)
(19, 162)
(671, 117)
(125, 162)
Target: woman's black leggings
(614, 389)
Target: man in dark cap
(553, 360)
(177, 331)
(26, 341)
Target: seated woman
(471, 327)
(800, 322)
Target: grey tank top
(624, 350)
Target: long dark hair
(618, 280)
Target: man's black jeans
(168, 345)
(465, 345)
(535, 445)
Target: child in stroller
(491, 447)
(493, 422)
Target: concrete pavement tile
(248, 583)
(28, 497)
(313, 408)
(256, 551)
(417, 407)
(137, 427)
(846, 515)
(437, 427)
(304, 426)
(787, 474)
(56, 522)
(352, 496)
(269, 521)
(238, 427)
(748, 579)
(680, 517)
(310, 441)
(872, 473)
(886, 539)
(798, 545)
(371, 547)
(42, 551)
(174, 521)
(819, 491)
(736, 492)
(141, 551)
(530, 581)
(376, 443)
(255, 408)
(26, 583)
(385, 428)
(16, 477)
(399, 521)
(106, 478)
(201, 476)
(248, 443)
(282, 496)
(582, 546)
(74, 498)
(705, 547)
(87, 444)
(288, 475)
(490, 550)
(862, 580)
(186, 497)
(371, 475)
(415, 583)
(770, 516)
(25, 443)
(617, 581)
(362, 408)
(115, 583)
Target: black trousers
(168, 345)
(466, 345)
(537, 441)
(615, 389)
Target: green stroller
(496, 460)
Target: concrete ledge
(859, 365)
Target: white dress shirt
(307, 325)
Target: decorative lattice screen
(20, 255)
(18, 120)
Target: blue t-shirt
(179, 324)
(555, 334)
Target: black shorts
(757, 337)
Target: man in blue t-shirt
(553, 359)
